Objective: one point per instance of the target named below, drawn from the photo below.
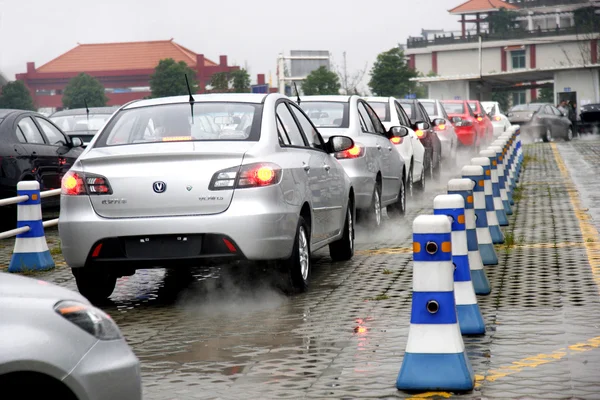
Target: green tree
(16, 95)
(321, 81)
(168, 79)
(220, 82)
(546, 95)
(240, 81)
(503, 21)
(503, 99)
(390, 75)
(81, 89)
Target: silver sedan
(170, 182)
(56, 345)
(374, 164)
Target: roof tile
(474, 6)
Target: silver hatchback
(172, 183)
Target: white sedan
(499, 120)
(410, 147)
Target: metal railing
(20, 199)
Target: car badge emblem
(159, 187)
(188, 187)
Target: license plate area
(163, 246)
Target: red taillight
(96, 251)
(355, 151)
(251, 175)
(72, 184)
(97, 185)
(440, 127)
(230, 246)
(420, 134)
(497, 118)
(396, 140)
(479, 119)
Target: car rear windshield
(430, 107)
(408, 108)
(215, 121)
(325, 114)
(526, 107)
(78, 123)
(382, 110)
(454, 108)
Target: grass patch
(55, 251)
(379, 297)
(590, 240)
(387, 271)
(517, 194)
(509, 240)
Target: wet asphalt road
(228, 333)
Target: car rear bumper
(467, 135)
(499, 128)
(107, 361)
(259, 226)
(362, 178)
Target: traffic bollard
(484, 237)
(31, 251)
(499, 149)
(506, 162)
(496, 197)
(492, 217)
(464, 187)
(470, 319)
(435, 357)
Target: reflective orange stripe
(416, 247)
(461, 219)
(447, 247)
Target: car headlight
(91, 319)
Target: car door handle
(378, 147)
(306, 167)
(390, 148)
(327, 167)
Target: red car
(485, 123)
(466, 126)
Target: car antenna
(87, 110)
(297, 95)
(191, 99)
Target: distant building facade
(123, 68)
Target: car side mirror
(335, 144)
(76, 142)
(397, 131)
(456, 119)
(422, 126)
(439, 121)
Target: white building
(547, 45)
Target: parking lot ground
(226, 333)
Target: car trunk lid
(163, 179)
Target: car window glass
(290, 126)
(556, 111)
(425, 115)
(362, 111)
(375, 120)
(283, 136)
(402, 117)
(20, 136)
(52, 133)
(314, 139)
(31, 132)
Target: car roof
(83, 111)
(377, 99)
(5, 112)
(453, 101)
(427, 100)
(329, 98)
(255, 98)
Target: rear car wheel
(420, 186)
(372, 215)
(94, 284)
(399, 207)
(343, 249)
(569, 134)
(410, 185)
(547, 136)
(297, 268)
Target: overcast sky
(249, 32)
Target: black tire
(410, 188)
(343, 248)
(421, 185)
(297, 268)
(398, 209)
(373, 215)
(569, 136)
(94, 284)
(547, 136)
(431, 165)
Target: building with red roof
(123, 68)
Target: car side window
(53, 135)
(314, 139)
(375, 120)
(556, 111)
(289, 125)
(424, 113)
(283, 137)
(30, 131)
(364, 115)
(404, 119)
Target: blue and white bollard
(31, 250)
(464, 187)
(512, 161)
(435, 357)
(495, 182)
(498, 147)
(492, 217)
(484, 237)
(470, 319)
(506, 163)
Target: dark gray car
(541, 121)
(82, 123)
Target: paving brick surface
(229, 334)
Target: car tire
(569, 136)
(94, 284)
(410, 189)
(431, 165)
(421, 185)
(398, 209)
(343, 248)
(547, 136)
(297, 268)
(373, 215)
